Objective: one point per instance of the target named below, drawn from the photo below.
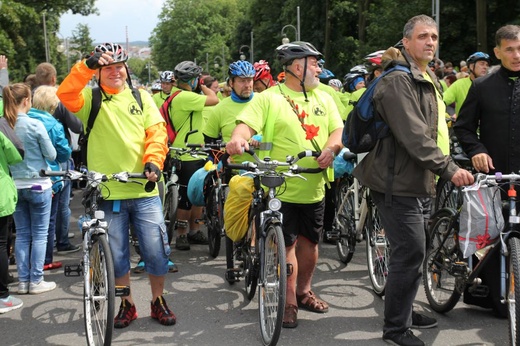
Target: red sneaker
(53, 265)
(126, 314)
(161, 312)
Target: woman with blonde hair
(33, 209)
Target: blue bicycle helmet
(242, 69)
(325, 74)
(473, 58)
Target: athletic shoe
(181, 242)
(139, 268)
(198, 238)
(127, 313)
(68, 249)
(10, 303)
(161, 312)
(41, 287)
(23, 287)
(422, 322)
(403, 339)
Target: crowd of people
(38, 118)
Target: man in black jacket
(487, 129)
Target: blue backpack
(363, 127)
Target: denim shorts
(146, 217)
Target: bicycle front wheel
(171, 202)
(514, 290)
(99, 292)
(443, 256)
(378, 251)
(272, 288)
(345, 222)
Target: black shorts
(187, 170)
(302, 220)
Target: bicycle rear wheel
(344, 222)
(171, 202)
(443, 289)
(272, 288)
(377, 249)
(214, 211)
(99, 291)
(514, 290)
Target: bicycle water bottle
(81, 220)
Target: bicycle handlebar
(95, 178)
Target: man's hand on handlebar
(236, 146)
(462, 178)
(152, 172)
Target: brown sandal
(290, 316)
(311, 302)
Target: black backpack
(364, 127)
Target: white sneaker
(41, 287)
(23, 287)
(10, 303)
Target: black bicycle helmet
(187, 70)
(296, 50)
(473, 58)
(118, 53)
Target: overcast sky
(116, 16)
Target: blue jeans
(405, 228)
(31, 218)
(63, 216)
(51, 233)
(146, 216)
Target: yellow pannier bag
(236, 208)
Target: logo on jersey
(318, 111)
(134, 109)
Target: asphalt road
(212, 312)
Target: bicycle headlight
(275, 204)
(99, 214)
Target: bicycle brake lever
(290, 174)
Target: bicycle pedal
(233, 275)
(459, 269)
(73, 270)
(200, 221)
(332, 235)
(122, 291)
(481, 291)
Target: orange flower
(311, 131)
(302, 115)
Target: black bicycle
(259, 258)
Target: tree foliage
(22, 37)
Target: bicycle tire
(377, 250)
(272, 286)
(250, 269)
(442, 288)
(514, 290)
(448, 195)
(171, 203)
(99, 299)
(345, 222)
(230, 260)
(214, 226)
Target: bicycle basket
(481, 219)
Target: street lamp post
(285, 39)
(216, 65)
(242, 54)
